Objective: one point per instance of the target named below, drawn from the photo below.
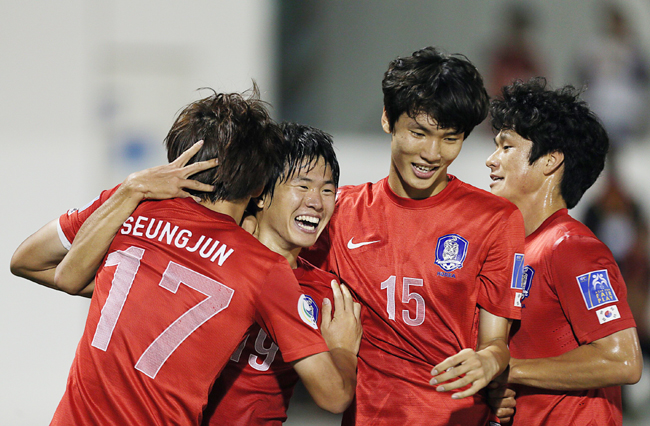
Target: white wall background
(89, 89)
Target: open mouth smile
(307, 223)
(423, 171)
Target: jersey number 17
(152, 359)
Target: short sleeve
(502, 272)
(590, 288)
(71, 221)
(288, 316)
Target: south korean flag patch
(308, 311)
(596, 289)
(608, 314)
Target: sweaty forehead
(313, 167)
(509, 135)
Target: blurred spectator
(515, 56)
(616, 73)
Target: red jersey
(255, 386)
(171, 304)
(573, 294)
(421, 269)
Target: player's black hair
(304, 146)
(555, 120)
(448, 88)
(236, 129)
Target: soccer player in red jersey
(432, 259)
(149, 355)
(577, 341)
(256, 385)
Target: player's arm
(478, 367)
(611, 361)
(331, 377)
(91, 243)
(37, 257)
(614, 358)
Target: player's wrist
(134, 187)
(514, 371)
(495, 361)
(345, 353)
(346, 363)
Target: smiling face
(513, 177)
(420, 155)
(300, 209)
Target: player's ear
(552, 162)
(260, 202)
(384, 122)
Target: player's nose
(431, 150)
(491, 161)
(314, 199)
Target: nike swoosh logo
(352, 245)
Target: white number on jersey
(128, 262)
(253, 360)
(407, 297)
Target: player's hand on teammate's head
(171, 180)
(343, 329)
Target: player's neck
(234, 209)
(278, 245)
(538, 207)
(292, 257)
(402, 188)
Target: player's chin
(304, 239)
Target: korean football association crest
(527, 281)
(451, 251)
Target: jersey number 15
(407, 297)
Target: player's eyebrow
(415, 124)
(500, 139)
(303, 178)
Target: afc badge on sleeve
(308, 311)
(451, 251)
(596, 289)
